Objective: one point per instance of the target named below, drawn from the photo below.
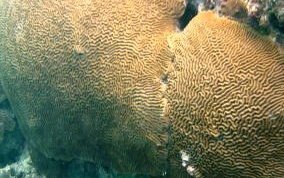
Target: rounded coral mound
(226, 100)
(85, 78)
(112, 82)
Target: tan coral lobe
(226, 100)
(83, 77)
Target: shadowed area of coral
(11, 139)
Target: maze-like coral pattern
(85, 78)
(96, 80)
(226, 100)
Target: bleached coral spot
(185, 157)
(190, 170)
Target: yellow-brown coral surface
(103, 81)
(85, 78)
(226, 100)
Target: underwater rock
(27, 167)
(11, 138)
(2, 94)
(232, 8)
(7, 123)
(11, 147)
(20, 169)
(264, 16)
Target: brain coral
(226, 100)
(103, 81)
(85, 77)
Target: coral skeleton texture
(114, 83)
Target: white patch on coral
(185, 157)
(190, 170)
(272, 116)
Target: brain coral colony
(115, 84)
